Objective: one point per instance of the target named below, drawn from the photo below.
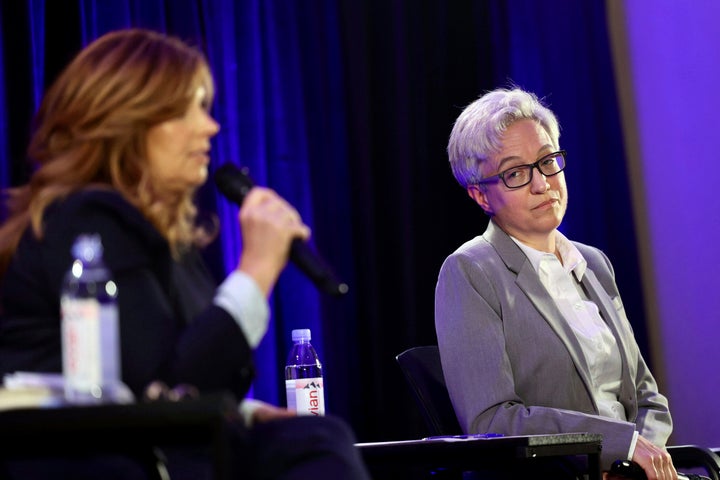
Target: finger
(666, 465)
(265, 202)
(256, 195)
(269, 198)
(663, 466)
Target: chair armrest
(692, 456)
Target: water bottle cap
(87, 247)
(301, 334)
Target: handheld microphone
(235, 183)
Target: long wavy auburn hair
(91, 132)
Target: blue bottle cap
(301, 334)
(87, 247)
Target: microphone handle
(312, 265)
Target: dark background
(345, 108)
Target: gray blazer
(512, 362)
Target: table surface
(494, 440)
(202, 421)
(468, 452)
(135, 430)
(186, 422)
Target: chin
(197, 178)
(202, 174)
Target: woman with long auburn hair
(92, 126)
(120, 145)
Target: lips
(547, 203)
(202, 156)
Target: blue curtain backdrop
(344, 108)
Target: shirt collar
(572, 259)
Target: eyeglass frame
(533, 166)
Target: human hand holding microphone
(263, 210)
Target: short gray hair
(478, 130)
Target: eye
(513, 173)
(552, 164)
(516, 175)
(546, 162)
(202, 98)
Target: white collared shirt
(599, 346)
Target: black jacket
(169, 328)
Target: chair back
(423, 372)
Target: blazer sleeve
(480, 374)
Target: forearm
(518, 419)
(208, 350)
(214, 355)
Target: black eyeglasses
(521, 175)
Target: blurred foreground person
(120, 145)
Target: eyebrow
(545, 147)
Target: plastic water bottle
(303, 377)
(90, 338)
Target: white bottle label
(89, 346)
(306, 396)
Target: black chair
(688, 458)
(423, 372)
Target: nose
(210, 126)
(539, 183)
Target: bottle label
(89, 346)
(306, 396)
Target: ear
(477, 193)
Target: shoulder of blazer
(128, 236)
(505, 247)
(105, 206)
(596, 259)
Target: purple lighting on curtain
(259, 104)
(228, 148)
(37, 38)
